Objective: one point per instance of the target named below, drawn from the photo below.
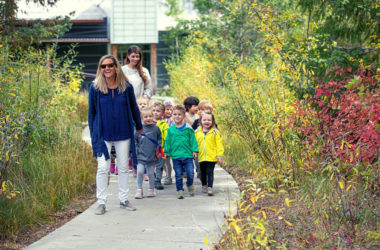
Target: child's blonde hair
(147, 110)
(143, 98)
(207, 112)
(205, 105)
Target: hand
(220, 161)
(195, 154)
(139, 131)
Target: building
(111, 26)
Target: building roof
(78, 40)
(94, 12)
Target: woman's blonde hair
(100, 81)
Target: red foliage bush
(347, 108)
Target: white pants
(122, 152)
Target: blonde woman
(111, 115)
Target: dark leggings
(207, 173)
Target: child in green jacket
(181, 145)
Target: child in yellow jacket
(159, 121)
(211, 149)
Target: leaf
(246, 208)
(287, 202)
(206, 240)
(264, 214)
(341, 185)
(237, 228)
(348, 188)
(289, 224)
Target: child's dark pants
(207, 173)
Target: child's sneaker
(139, 194)
(204, 189)
(117, 171)
(180, 194)
(210, 192)
(158, 185)
(191, 190)
(127, 205)
(185, 176)
(151, 193)
(112, 168)
(134, 173)
(168, 181)
(146, 178)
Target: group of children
(185, 135)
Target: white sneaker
(151, 193)
(139, 194)
(210, 192)
(127, 205)
(101, 209)
(204, 189)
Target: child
(191, 105)
(210, 150)
(168, 112)
(147, 145)
(169, 120)
(158, 119)
(182, 146)
(142, 103)
(202, 106)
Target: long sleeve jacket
(180, 144)
(146, 150)
(95, 124)
(164, 129)
(210, 145)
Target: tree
(20, 34)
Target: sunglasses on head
(110, 65)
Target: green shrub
(43, 161)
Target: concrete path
(162, 222)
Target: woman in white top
(137, 75)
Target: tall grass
(47, 180)
(44, 163)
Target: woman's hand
(139, 131)
(195, 155)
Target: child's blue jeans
(179, 165)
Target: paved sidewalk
(162, 222)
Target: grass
(308, 217)
(47, 180)
(317, 213)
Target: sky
(64, 7)
(61, 8)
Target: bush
(43, 162)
